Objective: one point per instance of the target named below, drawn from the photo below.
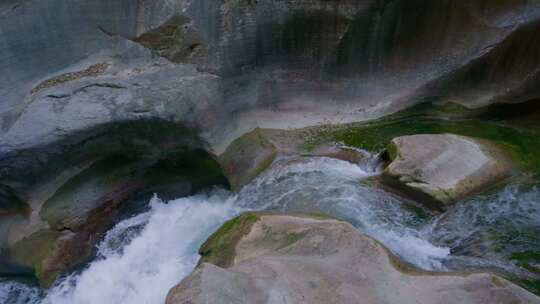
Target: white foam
(333, 186)
(141, 258)
(414, 250)
(156, 259)
(12, 292)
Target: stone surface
(282, 63)
(252, 153)
(255, 66)
(298, 259)
(83, 80)
(445, 167)
(61, 233)
(246, 157)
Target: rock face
(230, 66)
(61, 229)
(338, 61)
(445, 167)
(85, 80)
(298, 259)
(250, 154)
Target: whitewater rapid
(141, 267)
(142, 257)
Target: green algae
(219, 249)
(246, 157)
(393, 152)
(529, 260)
(520, 141)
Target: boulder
(250, 154)
(137, 77)
(441, 169)
(270, 258)
(71, 221)
(246, 157)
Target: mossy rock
(74, 201)
(86, 206)
(392, 151)
(520, 140)
(446, 167)
(219, 249)
(529, 260)
(274, 252)
(247, 157)
(28, 253)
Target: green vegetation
(392, 151)
(247, 157)
(521, 141)
(531, 285)
(219, 249)
(529, 260)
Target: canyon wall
(85, 80)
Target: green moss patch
(531, 285)
(247, 157)
(31, 251)
(520, 141)
(529, 260)
(393, 152)
(219, 249)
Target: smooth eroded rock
(441, 169)
(302, 259)
(246, 157)
(62, 233)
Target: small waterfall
(341, 189)
(141, 258)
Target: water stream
(142, 257)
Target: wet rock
(247, 157)
(441, 169)
(73, 220)
(253, 152)
(286, 64)
(62, 233)
(300, 259)
(10, 203)
(13, 211)
(352, 155)
(112, 77)
(154, 90)
(176, 40)
(103, 185)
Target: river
(143, 256)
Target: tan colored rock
(445, 167)
(297, 259)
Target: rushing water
(142, 257)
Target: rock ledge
(301, 259)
